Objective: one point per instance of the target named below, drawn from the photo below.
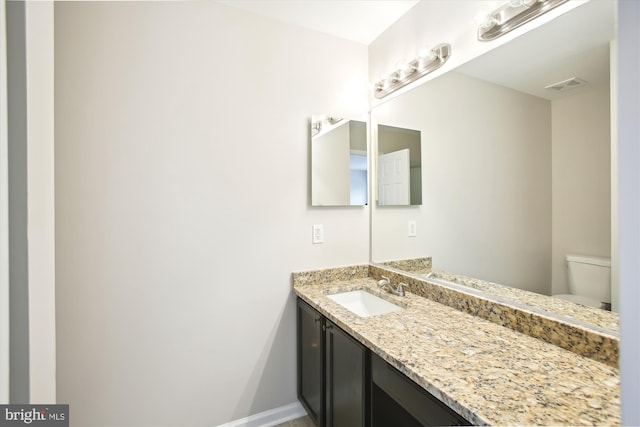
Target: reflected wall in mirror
(399, 168)
(338, 161)
(518, 176)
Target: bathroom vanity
(429, 363)
(359, 387)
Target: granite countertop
(589, 315)
(592, 317)
(487, 373)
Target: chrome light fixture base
(512, 15)
(318, 125)
(412, 71)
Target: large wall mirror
(516, 163)
(338, 161)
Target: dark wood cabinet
(311, 361)
(345, 379)
(397, 400)
(332, 372)
(341, 383)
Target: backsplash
(329, 275)
(414, 265)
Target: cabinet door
(346, 372)
(310, 361)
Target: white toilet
(589, 280)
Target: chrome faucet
(385, 283)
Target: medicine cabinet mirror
(338, 161)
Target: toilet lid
(579, 299)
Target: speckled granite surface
(579, 337)
(595, 316)
(329, 275)
(487, 373)
(414, 265)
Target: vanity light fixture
(413, 70)
(316, 127)
(513, 14)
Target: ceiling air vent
(566, 84)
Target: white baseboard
(271, 417)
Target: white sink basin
(363, 303)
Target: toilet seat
(579, 299)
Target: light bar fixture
(412, 71)
(317, 125)
(513, 14)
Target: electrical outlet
(412, 229)
(318, 234)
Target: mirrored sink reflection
(363, 303)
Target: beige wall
(486, 210)
(182, 189)
(581, 179)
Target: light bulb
(429, 57)
(406, 70)
(489, 22)
(425, 53)
(522, 3)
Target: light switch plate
(412, 229)
(318, 234)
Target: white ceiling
(361, 21)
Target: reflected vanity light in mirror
(512, 15)
(338, 161)
(412, 71)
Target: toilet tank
(590, 276)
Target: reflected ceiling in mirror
(516, 176)
(338, 161)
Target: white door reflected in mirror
(394, 185)
(399, 168)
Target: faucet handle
(401, 287)
(385, 281)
